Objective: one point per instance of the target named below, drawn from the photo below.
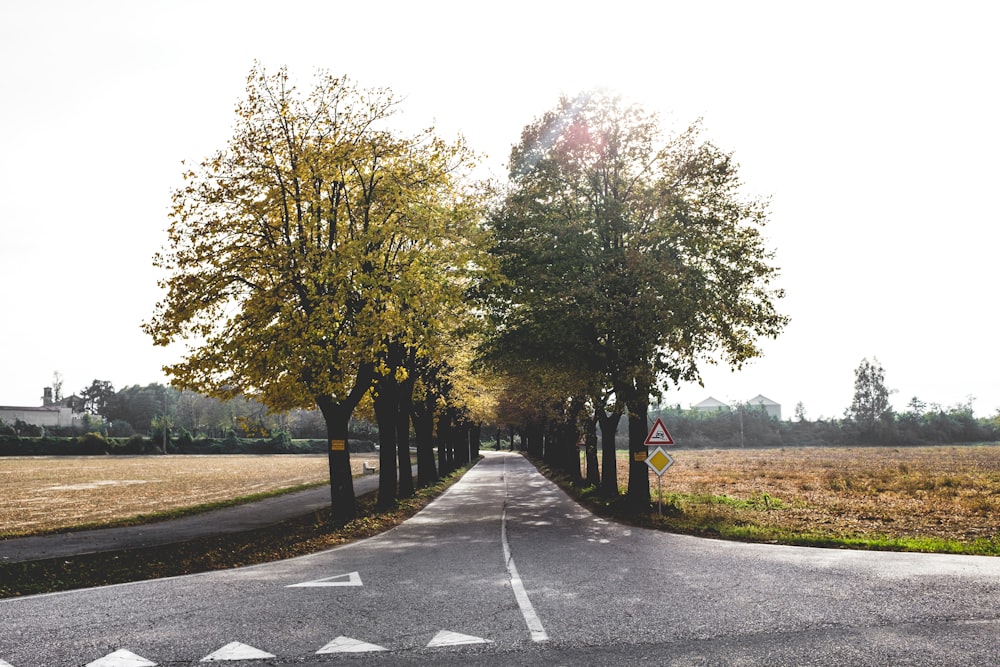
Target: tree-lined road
(575, 590)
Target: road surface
(505, 569)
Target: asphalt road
(575, 589)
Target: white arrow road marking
(120, 658)
(4, 663)
(447, 638)
(350, 579)
(237, 651)
(348, 645)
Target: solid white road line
(538, 633)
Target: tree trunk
(445, 459)
(590, 440)
(386, 406)
(404, 406)
(567, 454)
(609, 456)
(475, 433)
(423, 429)
(638, 471)
(532, 438)
(337, 416)
(460, 445)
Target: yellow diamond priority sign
(659, 460)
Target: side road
(237, 519)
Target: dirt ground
(39, 494)
(945, 492)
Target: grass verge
(305, 535)
(755, 519)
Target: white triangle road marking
(448, 638)
(4, 663)
(349, 579)
(237, 651)
(348, 645)
(120, 658)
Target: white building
(772, 409)
(757, 402)
(711, 405)
(66, 412)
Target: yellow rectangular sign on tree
(338, 445)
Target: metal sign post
(657, 457)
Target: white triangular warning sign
(658, 435)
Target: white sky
(871, 125)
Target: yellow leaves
(313, 237)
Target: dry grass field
(948, 493)
(42, 494)
(876, 494)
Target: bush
(121, 429)
(92, 443)
(26, 430)
(135, 445)
(184, 440)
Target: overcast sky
(872, 126)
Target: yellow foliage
(314, 236)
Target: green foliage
(870, 408)
(696, 429)
(27, 430)
(93, 443)
(627, 259)
(184, 440)
(97, 397)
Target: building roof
(710, 403)
(760, 399)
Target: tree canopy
(628, 257)
(300, 250)
(322, 256)
(870, 404)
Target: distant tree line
(751, 426)
(870, 420)
(146, 410)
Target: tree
(57, 385)
(628, 257)
(141, 407)
(870, 405)
(288, 249)
(97, 397)
(916, 406)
